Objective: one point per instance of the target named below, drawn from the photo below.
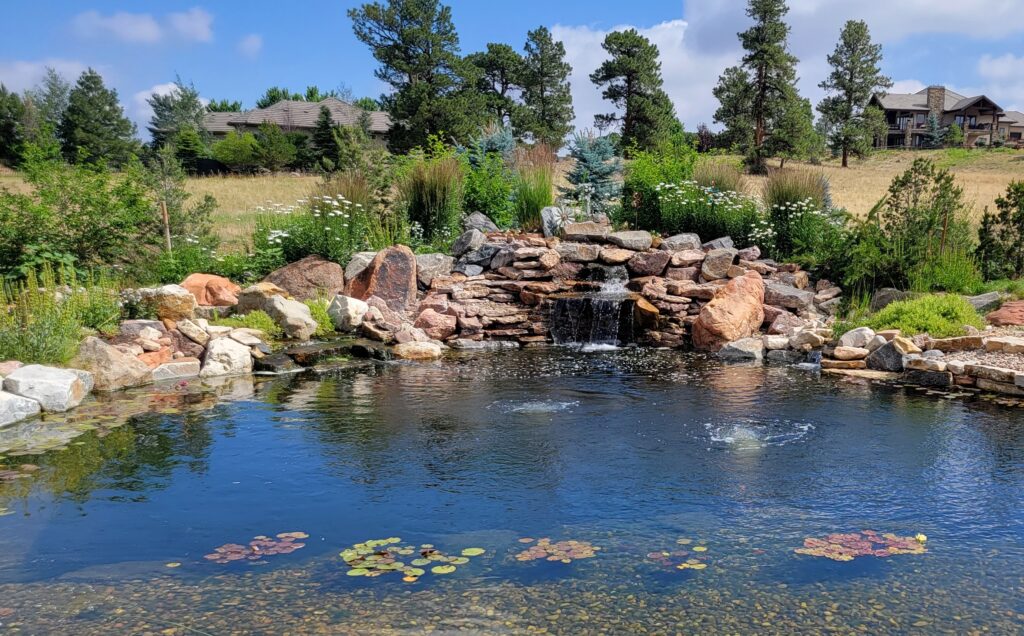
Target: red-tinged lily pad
(260, 547)
(866, 543)
(563, 551)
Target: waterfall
(603, 317)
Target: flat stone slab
(54, 389)
(177, 370)
(866, 374)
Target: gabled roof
(1013, 117)
(919, 101)
(292, 114)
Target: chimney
(936, 101)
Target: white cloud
(20, 75)
(129, 27)
(140, 108)
(1003, 79)
(251, 45)
(195, 25)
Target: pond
(624, 491)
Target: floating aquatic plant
(381, 556)
(261, 546)
(866, 543)
(564, 551)
(680, 559)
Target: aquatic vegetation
(261, 546)
(564, 551)
(680, 559)
(866, 543)
(381, 556)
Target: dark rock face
(309, 278)
(274, 363)
(467, 242)
(391, 276)
(929, 378)
(886, 358)
(370, 351)
(309, 355)
(886, 296)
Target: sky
(235, 49)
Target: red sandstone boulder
(391, 276)
(1011, 314)
(437, 326)
(212, 291)
(649, 263)
(309, 278)
(734, 313)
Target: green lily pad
(421, 561)
(443, 569)
(358, 572)
(472, 552)
(414, 571)
(458, 560)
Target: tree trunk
(846, 154)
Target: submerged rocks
(734, 313)
(54, 389)
(212, 291)
(111, 368)
(391, 275)
(309, 278)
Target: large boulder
(347, 313)
(14, 408)
(436, 325)
(479, 221)
(358, 263)
(55, 389)
(212, 291)
(224, 356)
(717, 263)
(636, 240)
(857, 338)
(431, 266)
(309, 278)
(111, 368)
(888, 357)
(782, 295)
(418, 351)
(986, 302)
(680, 242)
(390, 276)
(294, 318)
(170, 302)
(587, 231)
(255, 297)
(1011, 314)
(736, 312)
(742, 350)
(468, 241)
(649, 263)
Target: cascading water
(595, 319)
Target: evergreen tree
(500, 67)
(276, 94)
(433, 88)
(367, 103)
(237, 151)
(189, 148)
(735, 95)
(12, 131)
(954, 136)
(546, 113)
(632, 80)
(50, 99)
(315, 94)
(793, 134)
(224, 106)
(177, 110)
(935, 136)
(593, 176)
(771, 68)
(323, 143)
(855, 77)
(94, 127)
(273, 150)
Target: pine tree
(500, 67)
(315, 94)
(50, 99)
(94, 127)
(547, 113)
(793, 133)
(189, 148)
(177, 110)
(772, 71)
(224, 106)
(12, 131)
(935, 136)
(633, 84)
(366, 103)
(855, 77)
(273, 150)
(324, 144)
(276, 94)
(735, 96)
(434, 90)
(954, 136)
(593, 175)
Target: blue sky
(234, 49)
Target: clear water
(630, 450)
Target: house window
(960, 121)
(902, 122)
(1015, 136)
(919, 120)
(972, 121)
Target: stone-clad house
(296, 116)
(908, 113)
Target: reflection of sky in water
(628, 449)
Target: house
(297, 116)
(908, 114)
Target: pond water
(645, 460)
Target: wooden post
(167, 226)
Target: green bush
(488, 188)
(237, 151)
(798, 204)
(1001, 236)
(710, 213)
(324, 324)
(672, 162)
(252, 320)
(941, 316)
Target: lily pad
(358, 572)
(472, 552)
(443, 569)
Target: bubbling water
(760, 433)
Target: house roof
(1013, 117)
(293, 114)
(919, 101)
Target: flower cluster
(693, 193)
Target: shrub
(672, 162)
(941, 316)
(252, 320)
(273, 149)
(488, 187)
(534, 188)
(1001, 236)
(710, 213)
(718, 174)
(593, 177)
(324, 324)
(432, 194)
(237, 151)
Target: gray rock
(786, 356)
(886, 358)
(886, 296)
(468, 269)
(275, 363)
(481, 255)
(718, 243)
(176, 370)
(551, 219)
(857, 338)
(751, 253)
(717, 263)
(929, 378)
(479, 221)
(135, 328)
(292, 316)
(431, 266)
(244, 337)
(359, 262)
(876, 342)
(111, 368)
(170, 302)
(986, 302)
(55, 389)
(680, 242)
(782, 295)
(347, 313)
(578, 252)
(468, 241)
(588, 231)
(504, 258)
(224, 356)
(14, 408)
(636, 240)
(745, 349)
(193, 332)
(934, 354)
